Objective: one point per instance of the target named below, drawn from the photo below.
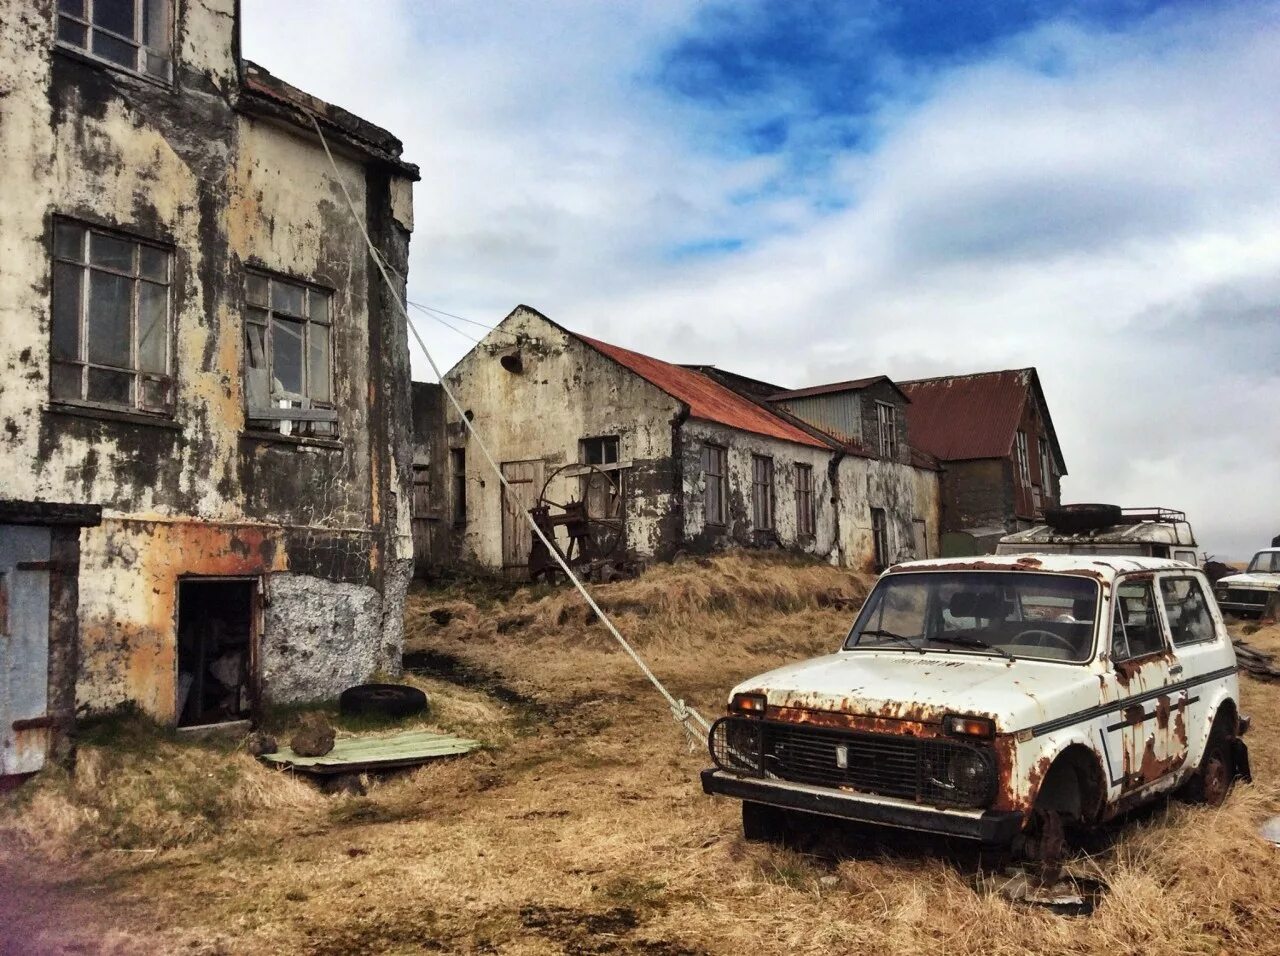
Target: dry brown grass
(582, 829)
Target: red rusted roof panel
(960, 417)
(707, 399)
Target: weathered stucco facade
(543, 397)
(221, 174)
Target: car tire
(1071, 519)
(382, 700)
(1213, 778)
(762, 823)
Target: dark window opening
(599, 451)
(715, 475)
(215, 651)
(458, 478)
(288, 360)
(112, 320)
(806, 513)
(134, 34)
(880, 538)
(422, 490)
(762, 496)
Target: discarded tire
(1086, 517)
(382, 700)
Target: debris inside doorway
(215, 648)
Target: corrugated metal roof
(707, 399)
(960, 417)
(367, 752)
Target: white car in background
(1000, 698)
(1256, 592)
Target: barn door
(525, 479)
(24, 648)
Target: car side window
(1136, 622)
(1187, 610)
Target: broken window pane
(66, 311)
(110, 252)
(286, 355)
(318, 367)
(153, 308)
(115, 15)
(65, 381)
(155, 393)
(109, 319)
(68, 241)
(256, 382)
(287, 298)
(106, 385)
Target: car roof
(1105, 567)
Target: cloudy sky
(806, 191)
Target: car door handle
(1175, 670)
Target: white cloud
(1114, 221)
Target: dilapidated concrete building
(675, 458)
(197, 345)
(1001, 462)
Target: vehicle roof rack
(1139, 515)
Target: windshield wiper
(975, 642)
(909, 641)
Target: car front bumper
(992, 827)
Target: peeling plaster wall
(903, 491)
(567, 391)
(195, 494)
(740, 447)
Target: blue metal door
(24, 647)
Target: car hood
(1267, 580)
(913, 686)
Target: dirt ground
(581, 828)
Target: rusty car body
(998, 699)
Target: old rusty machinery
(593, 525)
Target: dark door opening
(215, 651)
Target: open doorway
(216, 625)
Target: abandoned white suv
(1256, 592)
(998, 699)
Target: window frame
(713, 453)
(613, 470)
(887, 424)
(1204, 603)
(1117, 617)
(806, 502)
(764, 510)
(85, 269)
(1024, 463)
(310, 411)
(142, 50)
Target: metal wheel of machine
(591, 537)
(1212, 781)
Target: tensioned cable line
(683, 713)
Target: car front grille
(1246, 596)
(924, 769)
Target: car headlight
(967, 772)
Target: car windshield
(1265, 562)
(1015, 614)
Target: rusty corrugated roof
(707, 399)
(961, 417)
